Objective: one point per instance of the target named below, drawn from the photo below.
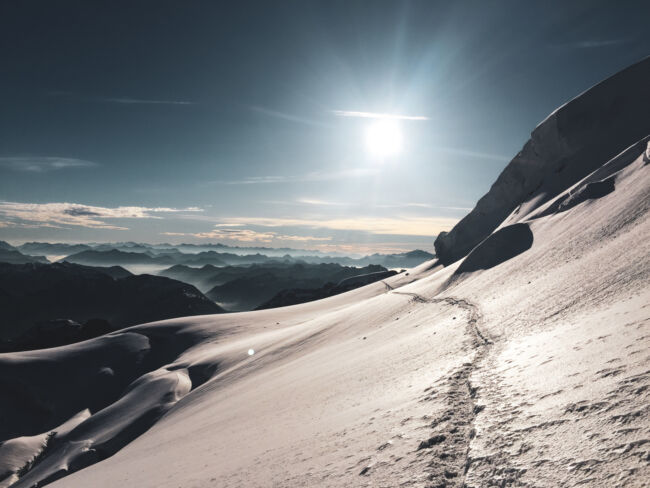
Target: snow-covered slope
(524, 364)
(570, 143)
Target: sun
(384, 138)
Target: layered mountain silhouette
(294, 296)
(229, 254)
(51, 249)
(10, 254)
(33, 293)
(248, 288)
(144, 255)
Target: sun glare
(384, 138)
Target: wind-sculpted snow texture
(573, 141)
(524, 365)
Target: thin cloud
(40, 164)
(247, 235)
(595, 43)
(407, 226)
(17, 214)
(421, 205)
(329, 203)
(374, 115)
(261, 180)
(403, 205)
(302, 238)
(318, 202)
(288, 117)
(361, 249)
(315, 176)
(141, 101)
(119, 100)
(474, 154)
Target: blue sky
(247, 124)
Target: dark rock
(432, 441)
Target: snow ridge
(569, 144)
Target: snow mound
(502, 245)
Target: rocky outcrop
(568, 145)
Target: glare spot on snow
(251, 352)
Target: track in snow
(452, 431)
(388, 287)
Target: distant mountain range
(116, 257)
(94, 257)
(49, 249)
(45, 248)
(9, 254)
(35, 292)
(132, 253)
(90, 283)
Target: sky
(342, 126)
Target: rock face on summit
(568, 145)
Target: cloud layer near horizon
(364, 233)
(247, 236)
(404, 226)
(75, 214)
